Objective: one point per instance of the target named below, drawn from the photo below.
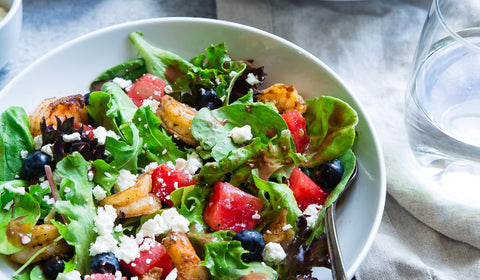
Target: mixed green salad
(173, 169)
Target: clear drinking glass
(442, 105)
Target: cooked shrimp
(130, 195)
(285, 98)
(42, 236)
(278, 230)
(153, 274)
(184, 257)
(144, 206)
(63, 107)
(177, 118)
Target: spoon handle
(338, 270)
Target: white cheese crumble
(72, 275)
(47, 149)
(121, 82)
(37, 142)
(256, 216)
(71, 137)
(26, 239)
(232, 74)
(101, 134)
(125, 180)
(104, 220)
(242, 134)
(311, 214)
(172, 275)
(23, 154)
(12, 189)
(103, 244)
(273, 253)
(190, 165)
(168, 89)
(161, 223)
(99, 193)
(252, 79)
(152, 103)
(128, 249)
(150, 167)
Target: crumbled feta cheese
(12, 189)
(287, 227)
(47, 149)
(104, 220)
(252, 79)
(150, 167)
(161, 223)
(103, 244)
(26, 239)
(191, 165)
(72, 275)
(172, 275)
(118, 228)
(311, 214)
(125, 180)
(168, 89)
(128, 249)
(37, 142)
(232, 74)
(256, 216)
(273, 253)
(23, 154)
(71, 137)
(153, 104)
(99, 193)
(242, 134)
(48, 200)
(118, 275)
(121, 82)
(101, 134)
(8, 205)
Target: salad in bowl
(174, 168)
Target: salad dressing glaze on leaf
(204, 190)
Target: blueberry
(208, 98)
(86, 98)
(52, 266)
(104, 263)
(329, 174)
(34, 164)
(252, 241)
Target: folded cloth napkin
(426, 232)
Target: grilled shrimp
(42, 236)
(184, 257)
(63, 107)
(177, 118)
(130, 195)
(144, 206)
(285, 98)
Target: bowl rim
(380, 157)
(12, 11)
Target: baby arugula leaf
(124, 154)
(15, 137)
(129, 70)
(79, 209)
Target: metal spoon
(338, 270)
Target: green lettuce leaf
(129, 70)
(23, 213)
(104, 175)
(124, 154)
(14, 138)
(279, 196)
(331, 126)
(348, 160)
(159, 145)
(79, 208)
(190, 202)
(223, 259)
(212, 127)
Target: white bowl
(10, 28)
(70, 68)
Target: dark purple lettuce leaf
(241, 86)
(301, 258)
(86, 146)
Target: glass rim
(452, 33)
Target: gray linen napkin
(425, 233)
